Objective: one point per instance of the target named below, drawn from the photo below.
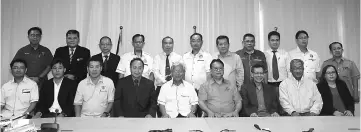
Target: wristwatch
(106, 114)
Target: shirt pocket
(184, 99)
(25, 95)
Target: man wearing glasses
(37, 57)
(310, 58)
(110, 60)
(250, 57)
(218, 97)
(138, 42)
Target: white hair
(178, 64)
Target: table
(244, 124)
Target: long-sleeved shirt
(301, 96)
(233, 68)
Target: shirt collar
(245, 51)
(25, 79)
(176, 85)
(89, 81)
(254, 84)
(299, 50)
(141, 53)
(105, 54)
(342, 59)
(227, 54)
(294, 79)
(212, 81)
(165, 54)
(73, 48)
(61, 80)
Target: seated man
(135, 95)
(217, 96)
(299, 96)
(95, 94)
(259, 99)
(20, 95)
(177, 98)
(57, 93)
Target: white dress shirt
(197, 67)
(16, 98)
(159, 66)
(177, 99)
(283, 61)
(300, 96)
(55, 104)
(124, 64)
(311, 62)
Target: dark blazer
(112, 65)
(250, 102)
(78, 66)
(327, 108)
(129, 103)
(65, 96)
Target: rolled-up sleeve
(318, 103)
(79, 98)
(34, 95)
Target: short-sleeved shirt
(233, 68)
(311, 62)
(248, 60)
(283, 61)
(177, 99)
(17, 97)
(347, 70)
(94, 98)
(37, 60)
(124, 63)
(160, 63)
(220, 98)
(197, 67)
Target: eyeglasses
(329, 73)
(258, 73)
(217, 69)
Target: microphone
(51, 127)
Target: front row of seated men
(135, 96)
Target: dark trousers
(159, 114)
(199, 110)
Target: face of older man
(34, 37)
(72, 40)
(297, 70)
(105, 45)
(167, 45)
(177, 72)
(217, 70)
(249, 43)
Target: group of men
(228, 84)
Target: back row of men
(245, 69)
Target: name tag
(26, 90)
(103, 89)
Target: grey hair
(294, 61)
(178, 64)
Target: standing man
(299, 95)
(347, 69)
(57, 94)
(138, 42)
(135, 95)
(95, 94)
(277, 60)
(250, 57)
(162, 64)
(20, 95)
(75, 57)
(197, 62)
(217, 96)
(177, 98)
(259, 99)
(310, 58)
(110, 60)
(37, 57)
(233, 66)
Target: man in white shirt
(310, 58)
(177, 98)
(233, 66)
(197, 62)
(20, 95)
(95, 94)
(138, 42)
(277, 60)
(299, 96)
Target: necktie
(167, 69)
(105, 64)
(136, 86)
(275, 66)
(71, 54)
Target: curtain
(325, 21)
